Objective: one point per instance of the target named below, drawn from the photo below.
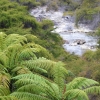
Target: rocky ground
(77, 40)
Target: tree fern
(21, 70)
(15, 39)
(50, 90)
(76, 94)
(22, 82)
(8, 98)
(4, 91)
(33, 88)
(53, 91)
(31, 38)
(4, 79)
(42, 52)
(41, 65)
(28, 96)
(40, 78)
(93, 90)
(2, 68)
(34, 77)
(41, 62)
(59, 74)
(4, 60)
(11, 53)
(27, 54)
(40, 85)
(81, 83)
(2, 42)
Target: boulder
(66, 42)
(69, 28)
(80, 42)
(73, 44)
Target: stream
(77, 40)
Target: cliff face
(93, 23)
(77, 1)
(88, 12)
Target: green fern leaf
(81, 83)
(21, 70)
(27, 53)
(8, 98)
(4, 91)
(28, 96)
(33, 88)
(75, 94)
(59, 74)
(2, 41)
(93, 90)
(4, 79)
(15, 39)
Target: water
(65, 27)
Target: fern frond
(75, 94)
(28, 96)
(59, 74)
(12, 55)
(4, 60)
(3, 68)
(36, 66)
(81, 83)
(31, 38)
(21, 70)
(8, 98)
(34, 77)
(93, 90)
(23, 82)
(41, 65)
(44, 87)
(29, 76)
(4, 79)
(40, 51)
(15, 39)
(26, 82)
(2, 41)
(4, 91)
(52, 91)
(27, 53)
(33, 88)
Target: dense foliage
(87, 10)
(15, 18)
(26, 75)
(29, 55)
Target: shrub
(52, 6)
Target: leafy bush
(86, 11)
(52, 6)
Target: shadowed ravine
(77, 40)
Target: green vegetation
(14, 18)
(26, 75)
(28, 3)
(29, 58)
(87, 9)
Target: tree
(44, 89)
